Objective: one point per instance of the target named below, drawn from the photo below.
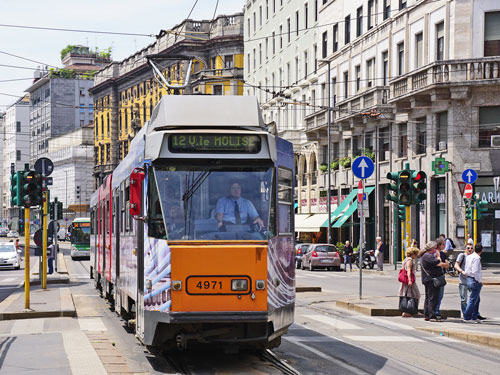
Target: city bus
(172, 251)
(80, 238)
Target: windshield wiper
(195, 185)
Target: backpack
(451, 242)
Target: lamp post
(328, 161)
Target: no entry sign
(360, 191)
(468, 191)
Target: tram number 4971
(209, 284)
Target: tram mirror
(136, 179)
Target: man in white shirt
(475, 283)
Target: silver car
(10, 257)
(321, 256)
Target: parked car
(12, 234)
(319, 255)
(299, 250)
(4, 232)
(10, 257)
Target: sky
(44, 47)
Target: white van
(61, 235)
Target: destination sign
(214, 143)
(81, 225)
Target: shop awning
(309, 222)
(354, 205)
(340, 208)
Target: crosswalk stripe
(91, 324)
(440, 339)
(317, 276)
(383, 338)
(7, 280)
(334, 322)
(383, 322)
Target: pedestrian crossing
(52, 325)
(329, 275)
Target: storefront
(488, 227)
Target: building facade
(15, 152)
(126, 92)
(60, 98)
(411, 82)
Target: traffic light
(392, 187)
(402, 212)
(15, 190)
(51, 210)
(481, 208)
(418, 186)
(468, 209)
(59, 209)
(404, 188)
(31, 189)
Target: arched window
(304, 171)
(313, 168)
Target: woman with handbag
(409, 288)
(433, 279)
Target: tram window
(92, 224)
(122, 210)
(156, 227)
(107, 216)
(285, 195)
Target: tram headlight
(260, 284)
(239, 284)
(176, 285)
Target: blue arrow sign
(363, 167)
(469, 176)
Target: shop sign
(440, 198)
(303, 202)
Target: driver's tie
(237, 213)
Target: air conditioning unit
(442, 146)
(495, 141)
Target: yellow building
(126, 92)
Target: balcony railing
(446, 72)
(372, 97)
(316, 119)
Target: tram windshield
(211, 202)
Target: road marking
(8, 280)
(383, 338)
(27, 327)
(383, 322)
(334, 322)
(91, 324)
(340, 363)
(440, 339)
(309, 338)
(82, 357)
(317, 276)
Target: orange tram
(192, 234)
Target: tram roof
(206, 111)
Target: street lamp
(328, 190)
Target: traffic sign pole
(361, 236)
(26, 258)
(475, 223)
(44, 253)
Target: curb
(61, 264)
(301, 289)
(476, 337)
(380, 311)
(59, 280)
(455, 281)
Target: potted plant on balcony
(345, 162)
(367, 152)
(335, 165)
(323, 168)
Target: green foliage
(70, 74)
(367, 152)
(345, 162)
(335, 165)
(67, 50)
(340, 248)
(323, 168)
(105, 54)
(356, 249)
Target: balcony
(236, 73)
(446, 74)
(371, 98)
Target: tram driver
(234, 209)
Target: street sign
(461, 187)
(44, 166)
(38, 237)
(49, 181)
(469, 176)
(468, 191)
(360, 191)
(363, 167)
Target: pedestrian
(411, 289)
(18, 247)
(432, 267)
(475, 283)
(347, 255)
(379, 253)
(441, 244)
(463, 289)
(50, 258)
